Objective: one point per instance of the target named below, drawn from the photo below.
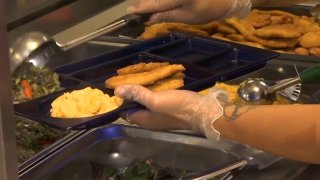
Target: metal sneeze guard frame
(8, 158)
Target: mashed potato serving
(83, 103)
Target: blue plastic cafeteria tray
(206, 61)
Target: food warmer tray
(206, 60)
(132, 32)
(119, 146)
(129, 35)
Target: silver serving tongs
(37, 48)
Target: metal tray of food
(204, 60)
(118, 146)
(134, 32)
(102, 152)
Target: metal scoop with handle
(37, 48)
(257, 91)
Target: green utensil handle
(310, 74)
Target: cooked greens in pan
(31, 136)
(141, 170)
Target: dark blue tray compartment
(98, 74)
(127, 51)
(68, 82)
(192, 49)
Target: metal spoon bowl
(37, 48)
(24, 46)
(254, 91)
(257, 91)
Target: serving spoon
(37, 48)
(257, 91)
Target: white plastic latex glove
(174, 109)
(191, 11)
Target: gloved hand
(191, 11)
(174, 109)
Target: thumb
(133, 92)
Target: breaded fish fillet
(144, 78)
(236, 37)
(281, 20)
(160, 29)
(278, 31)
(167, 84)
(178, 75)
(257, 19)
(301, 51)
(226, 28)
(314, 51)
(276, 13)
(248, 32)
(141, 67)
(310, 40)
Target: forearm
(270, 3)
(291, 131)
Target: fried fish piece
(236, 37)
(305, 25)
(225, 28)
(154, 30)
(248, 32)
(178, 75)
(144, 78)
(167, 84)
(159, 29)
(257, 19)
(278, 31)
(301, 51)
(277, 13)
(281, 20)
(209, 27)
(141, 67)
(242, 26)
(310, 40)
(314, 51)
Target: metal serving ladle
(37, 48)
(257, 91)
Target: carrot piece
(27, 89)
